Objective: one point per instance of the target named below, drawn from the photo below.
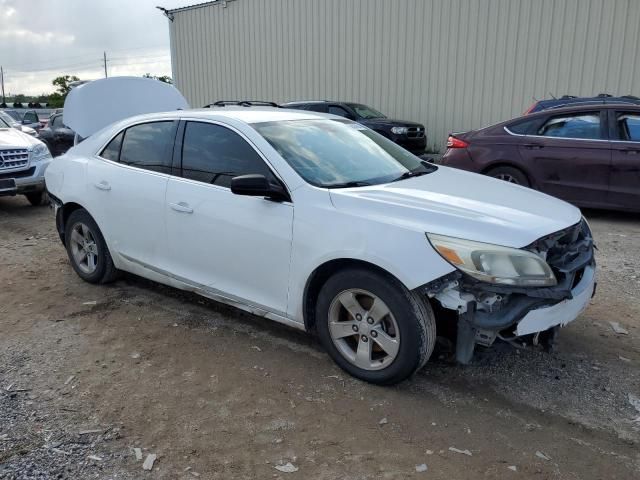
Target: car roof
(571, 100)
(243, 114)
(580, 107)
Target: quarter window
(584, 125)
(112, 150)
(149, 146)
(629, 126)
(335, 110)
(56, 122)
(215, 154)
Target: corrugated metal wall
(452, 64)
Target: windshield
(335, 154)
(13, 114)
(365, 112)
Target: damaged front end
(486, 310)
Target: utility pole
(2, 81)
(105, 64)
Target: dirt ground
(88, 373)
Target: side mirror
(255, 185)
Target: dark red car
(588, 155)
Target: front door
(625, 165)
(127, 188)
(233, 245)
(573, 156)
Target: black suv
(410, 135)
(57, 136)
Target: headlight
(40, 152)
(493, 263)
(399, 130)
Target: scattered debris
(619, 329)
(464, 452)
(286, 468)
(255, 347)
(422, 468)
(149, 461)
(429, 452)
(513, 468)
(135, 355)
(634, 401)
(624, 359)
(195, 474)
(92, 302)
(57, 450)
(541, 455)
(95, 458)
(138, 453)
(383, 421)
(89, 432)
(69, 380)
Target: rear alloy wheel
(510, 175)
(373, 327)
(87, 249)
(38, 198)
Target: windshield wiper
(348, 184)
(428, 168)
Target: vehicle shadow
(611, 216)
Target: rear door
(127, 187)
(625, 166)
(571, 155)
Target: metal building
(453, 65)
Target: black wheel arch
(62, 215)
(321, 274)
(510, 164)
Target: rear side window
(112, 150)
(523, 128)
(149, 146)
(56, 122)
(335, 110)
(215, 154)
(317, 107)
(583, 125)
(628, 126)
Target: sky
(43, 39)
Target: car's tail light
(454, 142)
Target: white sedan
(323, 225)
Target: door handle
(181, 207)
(533, 146)
(102, 186)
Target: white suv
(322, 224)
(23, 161)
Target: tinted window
(56, 122)
(583, 125)
(31, 117)
(629, 126)
(214, 154)
(149, 146)
(335, 110)
(522, 128)
(112, 150)
(317, 107)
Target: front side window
(628, 126)
(149, 146)
(215, 154)
(365, 112)
(335, 154)
(583, 125)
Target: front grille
(415, 132)
(14, 158)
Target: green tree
(161, 78)
(62, 84)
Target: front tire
(87, 249)
(373, 327)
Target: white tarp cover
(94, 105)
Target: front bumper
(414, 145)
(23, 181)
(560, 314)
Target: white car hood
(94, 105)
(463, 205)
(13, 138)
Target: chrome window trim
(555, 138)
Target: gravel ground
(90, 373)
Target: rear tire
(38, 199)
(87, 249)
(510, 175)
(385, 334)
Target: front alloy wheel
(363, 329)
